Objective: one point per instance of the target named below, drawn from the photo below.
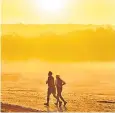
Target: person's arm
(63, 82)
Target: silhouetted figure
(59, 84)
(51, 89)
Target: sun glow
(51, 6)
(58, 11)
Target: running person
(51, 89)
(59, 84)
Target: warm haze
(72, 38)
(58, 11)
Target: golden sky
(60, 11)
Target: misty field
(90, 86)
(72, 38)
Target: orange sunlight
(58, 11)
(47, 42)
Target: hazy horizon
(58, 43)
(72, 38)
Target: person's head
(57, 76)
(49, 73)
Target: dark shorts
(51, 90)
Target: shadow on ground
(109, 102)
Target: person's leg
(57, 97)
(54, 92)
(58, 100)
(48, 96)
(60, 95)
(62, 98)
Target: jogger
(59, 83)
(51, 89)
